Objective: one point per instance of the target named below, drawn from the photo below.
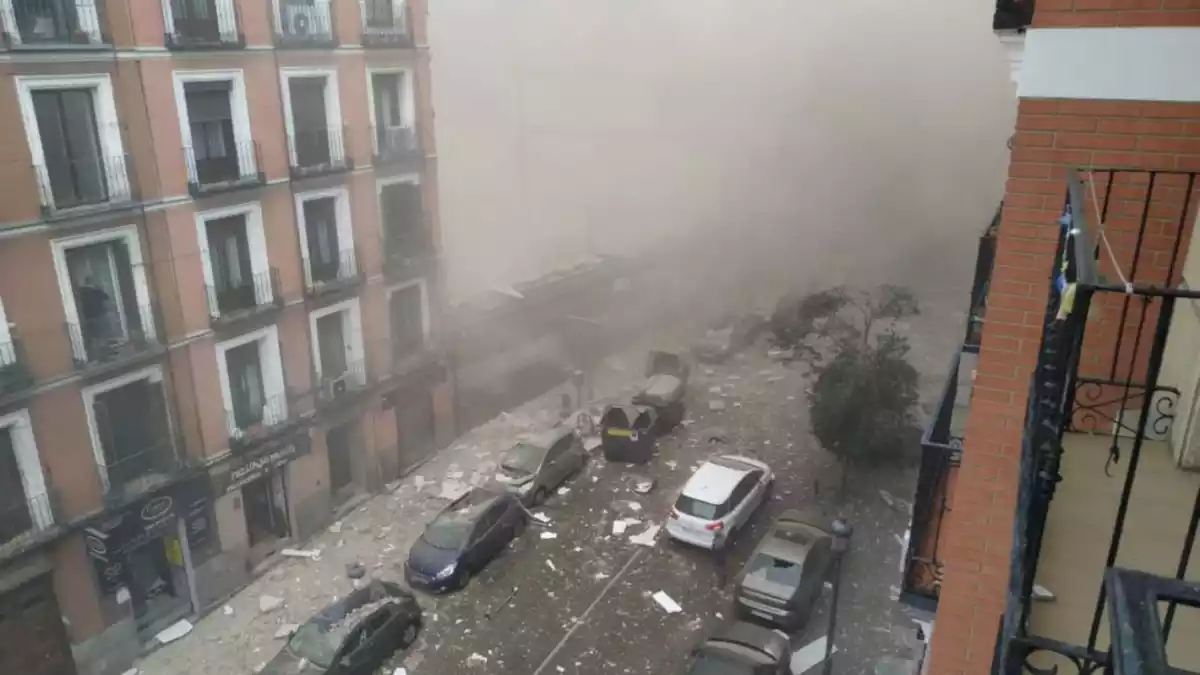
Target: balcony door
(320, 224)
(54, 21)
(309, 120)
(389, 116)
(407, 309)
(229, 253)
(196, 20)
(74, 162)
(210, 118)
(101, 278)
(331, 344)
(131, 421)
(246, 384)
(402, 220)
(381, 15)
(14, 508)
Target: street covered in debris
(593, 586)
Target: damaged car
(534, 468)
(461, 540)
(353, 636)
(742, 649)
(718, 500)
(783, 579)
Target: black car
(463, 538)
(353, 636)
(742, 649)
(782, 581)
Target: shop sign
(250, 468)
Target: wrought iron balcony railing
(23, 517)
(142, 469)
(324, 274)
(235, 166)
(318, 151)
(338, 384)
(113, 336)
(301, 24)
(14, 373)
(408, 255)
(203, 24)
(395, 145)
(75, 182)
(55, 24)
(230, 300)
(252, 422)
(385, 23)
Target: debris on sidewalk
(619, 526)
(476, 660)
(311, 554)
(646, 538)
(810, 655)
(1042, 594)
(269, 603)
(550, 564)
(716, 405)
(453, 489)
(667, 603)
(356, 570)
(336, 528)
(174, 631)
(549, 535)
(639, 483)
(285, 631)
(227, 610)
(540, 517)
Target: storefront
(142, 554)
(258, 478)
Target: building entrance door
(415, 429)
(264, 503)
(158, 584)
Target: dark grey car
(534, 468)
(783, 579)
(742, 649)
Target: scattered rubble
(646, 538)
(285, 631)
(475, 660)
(549, 535)
(311, 554)
(174, 632)
(716, 405)
(667, 603)
(269, 603)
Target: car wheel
(410, 635)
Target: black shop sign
(112, 539)
(245, 469)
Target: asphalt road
(580, 602)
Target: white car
(718, 499)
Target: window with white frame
(8, 349)
(313, 117)
(200, 22)
(214, 120)
(24, 502)
(326, 236)
(233, 248)
(408, 314)
(402, 219)
(105, 295)
(337, 343)
(130, 428)
(74, 137)
(392, 111)
(51, 22)
(250, 370)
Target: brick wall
(1052, 136)
(1108, 13)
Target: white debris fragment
(137, 671)
(591, 444)
(667, 603)
(336, 528)
(620, 525)
(550, 564)
(634, 506)
(419, 482)
(400, 671)
(714, 390)
(285, 631)
(174, 631)
(1042, 594)
(716, 405)
(452, 489)
(671, 464)
(227, 610)
(310, 553)
(269, 603)
(646, 538)
(549, 535)
(719, 615)
(809, 655)
(599, 576)
(563, 490)
(887, 498)
(540, 517)
(476, 660)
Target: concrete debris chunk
(174, 632)
(667, 603)
(619, 526)
(269, 603)
(540, 517)
(716, 405)
(336, 528)
(476, 660)
(400, 671)
(285, 631)
(227, 610)
(550, 564)
(646, 538)
(310, 553)
(1042, 594)
(453, 489)
(549, 535)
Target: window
(403, 220)
(234, 256)
(408, 319)
(210, 118)
(392, 112)
(314, 118)
(195, 21)
(332, 345)
(250, 370)
(320, 224)
(74, 137)
(337, 342)
(246, 385)
(339, 443)
(130, 420)
(379, 14)
(24, 504)
(53, 22)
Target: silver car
(718, 500)
(532, 469)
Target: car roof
(545, 439)
(715, 479)
(471, 504)
(749, 641)
(374, 591)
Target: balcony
(248, 426)
(113, 339)
(140, 471)
(385, 23)
(230, 303)
(305, 25)
(408, 256)
(329, 276)
(202, 24)
(397, 145)
(1013, 15)
(314, 152)
(23, 519)
(55, 24)
(70, 183)
(14, 374)
(235, 169)
(342, 388)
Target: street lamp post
(841, 542)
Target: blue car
(462, 539)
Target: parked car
(742, 649)
(782, 581)
(627, 433)
(353, 636)
(718, 500)
(463, 538)
(534, 468)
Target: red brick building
(1016, 525)
(219, 300)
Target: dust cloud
(792, 140)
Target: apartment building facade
(219, 300)
(1056, 515)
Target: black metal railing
(251, 422)
(338, 382)
(112, 336)
(204, 24)
(55, 23)
(1080, 385)
(985, 259)
(234, 166)
(325, 273)
(1013, 14)
(73, 182)
(134, 472)
(305, 24)
(408, 254)
(315, 151)
(396, 144)
(385, 23)
(23, 515)
(230, 300)
(14, 372)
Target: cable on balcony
(1112, 257)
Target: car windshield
(775, 570)
(700, 509)
(315, 641)
(718, 664)
(523, 458)
(448, 533)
